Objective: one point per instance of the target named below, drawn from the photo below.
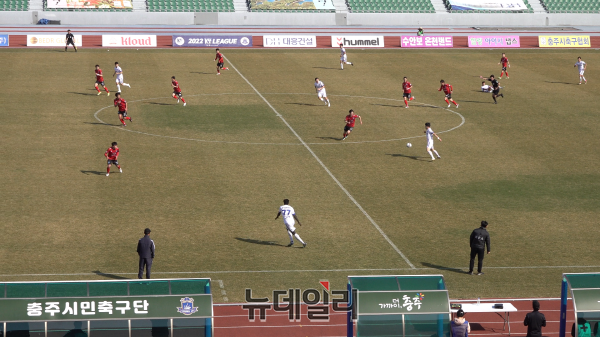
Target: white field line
(287, 271)
(325, 168)
(119, 127)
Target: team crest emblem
(245, 41)
(187, 306)
(179, 41)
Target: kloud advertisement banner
(212, 40)
(135, 41)
(488, 5)
(564, 41)
(495, 41)
(290, 41)
(3, 40)
(427, 42)
(361, 41)
(40, 40)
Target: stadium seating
(190, 6)
(528, 10)
(572, 6)
(83, 9)
(253, 6)
(14, 5)
(390, 6)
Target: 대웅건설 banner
(212, 40)
(42, 40)
(494, 41)
(129, 41)
(488, 5)
(287, 41)
(564, 41)
(89, 4)
(427, 42)
(357, 41)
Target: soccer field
(208, 178)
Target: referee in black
(70, 40)
(478, 241)
(145, 250)
(495, 87)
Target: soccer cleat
(502, 95)
(304, 245)
(449, 105)
(120, 170)
(479, 274)
(439, 157)
(98, 94)
(345, 137)
(291, 244)
(406, 106)
(184, 104)
(178, 101)
(218, 73)
(352, 64)
(107, 174)
(432, 159)
(131, 120)
(124, 124)
(507, 77)
(457, 106)
(495, 102)
(470, 273)
(328, 103)
(226, 68)
(107, 93)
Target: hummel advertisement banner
(427, 42)
(3, 40)
(496, 41)
(212, 40)
(564, 41)
(287, 41)
(361, 41)
(129, 41)
(488, 5)
(35, 40)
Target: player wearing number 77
(289, 215)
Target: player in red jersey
(220, 62)
(448, 91)
(177, 94)
(406, 87)
(350, 120)
(112, 157)
(100, 81)
(505, 64)
(122, 105)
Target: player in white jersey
(289, 215)
(321, 93)
(581, 65)
(119, 73)
(344, 57)
(430, 135)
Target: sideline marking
(255, 143)
(292, 271)
(324, 167)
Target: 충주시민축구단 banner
(494, 41)
(41, 40)
(564, 41)
(290, 41)
(361, 41)
(212, 40)
(135, 41)
(426, 42)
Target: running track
(232, 320)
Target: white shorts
(344, 58)
(322, 93)
(120, 78)
(430, 144)
(290, 227)
(581, 72)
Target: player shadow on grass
(307, 104)
(435, 266)
(490, 102)
(260, 242)
(407, 156)
(201, 73)
(558, 82)
(116, 277)
(98, 173)
(325, 68)
(82, 93)
(156, 103)
(330, 138)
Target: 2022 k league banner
(212, 40)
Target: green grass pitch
(208, 178)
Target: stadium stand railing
(14, 5)
(528, 10)
(190, 6)
(390, 6)
(572, 6)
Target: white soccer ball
(408, 145)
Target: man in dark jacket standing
(534, 321)
(479, 239)
(145, 250)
